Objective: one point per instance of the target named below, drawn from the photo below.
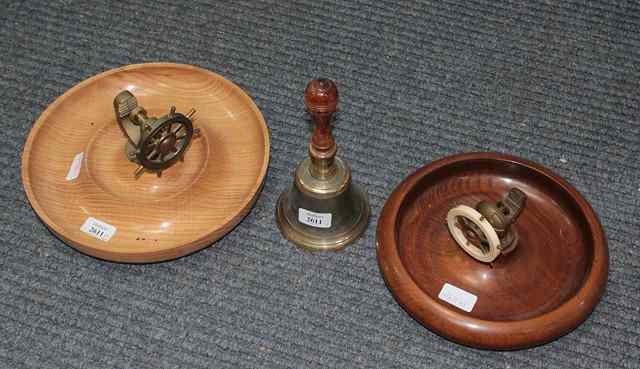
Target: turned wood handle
(321, 99)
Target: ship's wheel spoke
(176, 130)
(474, 235)
(154, 153)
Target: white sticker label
(458, 297)
(98, 229)
(318, 220)
(74, 169)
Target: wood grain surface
(543, 289)
(192, 205)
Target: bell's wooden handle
(321, 99)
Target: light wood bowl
(192, 205)
(543, 289)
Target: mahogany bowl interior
(543, 289)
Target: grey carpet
(551, 81)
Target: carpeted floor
(551, 81)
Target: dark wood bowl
(542, 290)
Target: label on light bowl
(458, 297)
(310, 218)
(98, 229)
(74, 169)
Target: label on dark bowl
(458, 297)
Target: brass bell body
(323, 209)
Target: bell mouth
(311, 237)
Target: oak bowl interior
(561, 250)
(190, 206)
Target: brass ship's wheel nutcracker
(153, 143)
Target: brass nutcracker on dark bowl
(485, 232)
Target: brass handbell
(323, 209)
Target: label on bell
(98, 229)
(310, 218)
(458, 297)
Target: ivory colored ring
(474, 216)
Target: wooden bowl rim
(159, 255)
(470, 331)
